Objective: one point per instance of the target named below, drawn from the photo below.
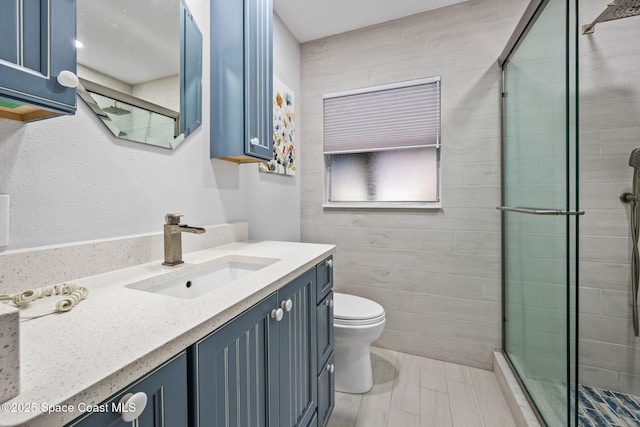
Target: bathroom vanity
(258, 348)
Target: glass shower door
(539, 152)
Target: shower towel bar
(539, 211)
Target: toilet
(357, 322)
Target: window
(382, 146)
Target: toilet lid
(351, 307)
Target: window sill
(382, 205)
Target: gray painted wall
(71, 181)
(274, 200)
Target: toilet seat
(351, 310)
(358, 322)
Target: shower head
(615, 10)
(634, 159)
(622, 9)
(115, 110)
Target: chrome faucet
(173, 238)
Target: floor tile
(434, 409)
(406, 387)
(415, 391)
(403, 419)
(495, 412)
(464, 405)
(432, 375)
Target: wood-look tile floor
(413, 391)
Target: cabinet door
(326, 392)
(230, 371)
(167, 405)
(314, 421)
(325, 330)
(324, 272)
(38, 42)
(258, 59)
(297, 352)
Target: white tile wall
(436, 272)
(610, 129)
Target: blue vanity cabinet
(37, 44)
(324, 273)
(230, 370)
(325, 330)
(242, 80)
(297, 354)
(270, 366)
(325, 334)
(260, 368)
(326, 392)
(167, 402)
(314, 421)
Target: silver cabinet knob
(331, 368)
(329, 263)
(277, 314)
(254, 141)
(286, 305)
(68, 79)
(132, 406)
(331, 303)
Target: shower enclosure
(579, 366)
(540, 210)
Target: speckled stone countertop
(119, 334)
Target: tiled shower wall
(436, 272)
(610, 129)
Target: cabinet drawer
(325, 330)
(326, 392)
(324, 278)
(167, 405)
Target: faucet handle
(173, 219)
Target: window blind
(404, 115)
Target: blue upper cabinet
(37, 58)
(242, 80)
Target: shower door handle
(538, 211)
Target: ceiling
(121, 35)
(313, 19)
(132, 41)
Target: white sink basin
(213, 275)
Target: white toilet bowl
(357, 323)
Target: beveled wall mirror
(140, 65)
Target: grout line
(473, 387)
